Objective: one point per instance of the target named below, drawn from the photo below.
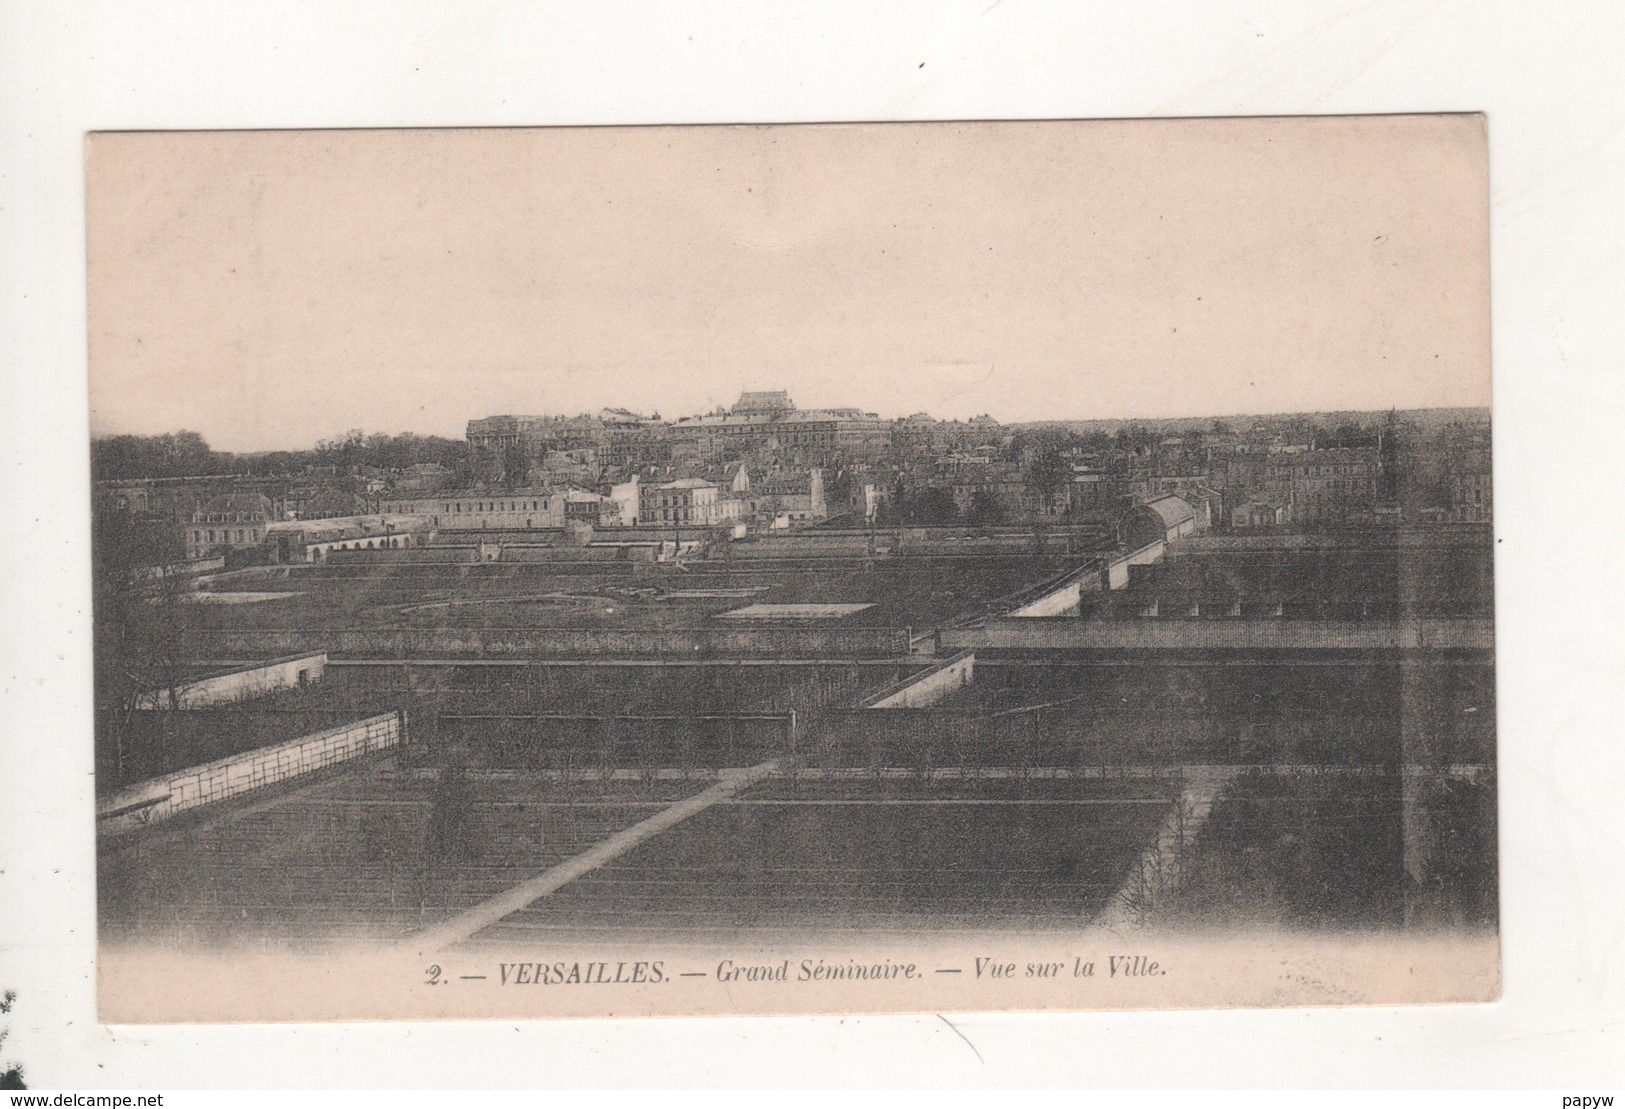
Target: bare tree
(12, 1077)
(139, 646)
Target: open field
(549, 706)
(373, 854)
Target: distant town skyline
(460, 432)
(272, 289)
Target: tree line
(188, 454)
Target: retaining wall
(596, 552)
(179, 569)
(160, 798)
(438, 554)
(1117, 570)
(238, 685)
(1166, 634)
(927, 688)
(799, 643)
(1065, 598)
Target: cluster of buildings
(617, 439)
(1266, 479)
(267, 519)
(690, 501)
(766, 465)
(1335, 485)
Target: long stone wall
(438, 554)
(238, 685)
(908, 545)
(798, 643)
(189, 568)
(1117, 570)
(1156, 874)
(161, 798)
(1166, 634)
(928, 688)
(1419, 537)
(596, 552)
(1064, 598)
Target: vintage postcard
(656, 571)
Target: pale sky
(269, 289)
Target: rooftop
(1173, 510)
(248, 504)
(775, 401)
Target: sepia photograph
(808, 568)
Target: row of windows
(1323, 470)
(703, 514)
(252, 535)
(319, 552)
(1205, 609)
(483, 523)
(452, 507)
(1335, 485)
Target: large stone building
(613, 435)
(231, 521)
(687, 501)
(294, 541)
(771, 420)
(177, 499)
(617, 439)
(1471, 490)
(768, 405)
(520, 510)
(837, 430)
(1335, 486)
(785, 500)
